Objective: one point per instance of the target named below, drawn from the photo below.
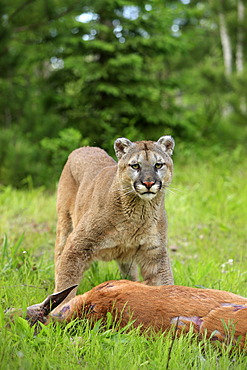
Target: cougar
(114, 211)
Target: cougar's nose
(148, 184)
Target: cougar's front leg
(129, 270)
(74, 260)
(64, 228)
(155, 266)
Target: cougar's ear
(167, 143)
(121, 146)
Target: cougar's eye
(135, 166)
(159, 165)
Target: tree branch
(22, 6)
(37, 25)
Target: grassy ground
(207, 210)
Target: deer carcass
(219, 315)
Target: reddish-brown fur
(219, 314)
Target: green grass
(207, 211)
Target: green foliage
(21, 160)
(9, 259)
(113, 68)
(58, 148)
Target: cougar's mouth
(147, 191)
(145, 194)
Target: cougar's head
(144, 167)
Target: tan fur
(220, 315)
(113, 211)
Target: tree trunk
(226, 44)
(240, 52)
(240, 37)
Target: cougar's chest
(124, 241)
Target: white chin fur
(147, 196)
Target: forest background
(82, 72)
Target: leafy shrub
(59, 148)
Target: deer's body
(218, 314)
